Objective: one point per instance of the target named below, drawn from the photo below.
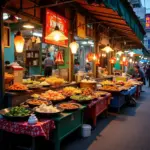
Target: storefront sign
(81, 29)
(52, 19)
(147, 21)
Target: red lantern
(125, 63)
(112, 60)
(90, 56)
(59, 58)
(97, 63)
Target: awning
(119, 16)
(145, 52)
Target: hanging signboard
(147, 21)
(81, 29)
(51, 20)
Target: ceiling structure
(106, 16)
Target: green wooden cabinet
(66, 124)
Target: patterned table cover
(42, 128)
(94, 102)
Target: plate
(13, 118)
(35, 105)
(68, 109)
(46, 114)
(17, 91)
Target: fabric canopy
(119, 16)
(126, 12)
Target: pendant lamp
(131, 54)
(28, 26)
(125, 63)
(107, 49)
(94, 57)
(59, 58)
(119, 53)
(19, 42)
(123, 58)
(56, 35)
(112, 60)
(74, 47)
(90, 56)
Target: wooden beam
(2, 87)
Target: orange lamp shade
(59, 58)
(56, 35)
(90, 56)
(19, 42)
(74, 47)
(121, 62)
(97, 63)
(123, 58)
(94, 57)
(112, 60)
(125, 63)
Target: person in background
(139, 74)
(76, 67)
(87, 67)
(48, 65)
(148, 74)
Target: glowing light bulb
(57, 37)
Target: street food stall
(57, 105)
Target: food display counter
(64, 106)
(97, 107)
(66, 124)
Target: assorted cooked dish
(52, 96)
(37, 102)
(69, 91)
(18, 86)
(47, 109)
(69, 106)
(81, 98)
(18, 112)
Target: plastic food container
(86, 130)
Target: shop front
(86, 43)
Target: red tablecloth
(94, 102)
(42, 128)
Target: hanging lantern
(59, 58)
(131, 54)
(119, 53)
(125, 63)
(56, 35)
(121, 62)
(19, 42)
(97, 63)
(112, 60)
(123, 58)
(90, 56)
(87, 60)
(107, 49)
(103, 54)
(94, 57)
(117, 59)
(130, 60)
(74, 47)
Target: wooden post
(2, 89)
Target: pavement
(129, 130)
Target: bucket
(86, 130)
